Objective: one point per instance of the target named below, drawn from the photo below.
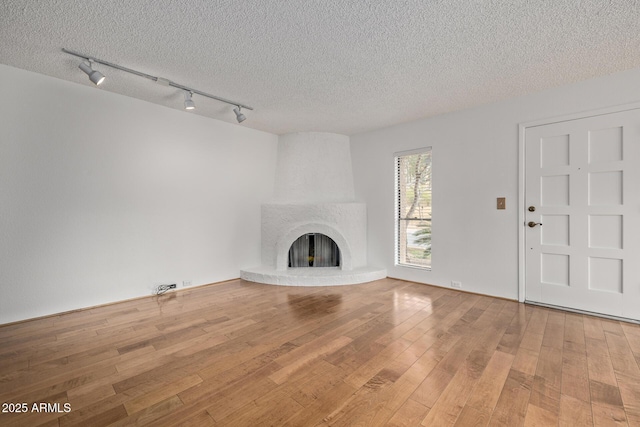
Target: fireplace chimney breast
(314, 193)
(314, 167)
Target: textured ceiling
(326, 65)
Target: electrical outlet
(186, 283)
(455, 284)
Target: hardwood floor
(388, 353)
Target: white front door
(582, 214)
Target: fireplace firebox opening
(314, 250)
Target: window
(413, 210)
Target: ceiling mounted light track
(97, 78)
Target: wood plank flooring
(385, 353)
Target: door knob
(533, 224)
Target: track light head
(95, 76)
(239, 116)
(188, 102)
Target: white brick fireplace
(314, 194)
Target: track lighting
(188, 102)
(95, 76)
(239, 116)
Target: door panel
(583, 179)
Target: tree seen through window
(413, 185)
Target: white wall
(104, 196)
(475, 155)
